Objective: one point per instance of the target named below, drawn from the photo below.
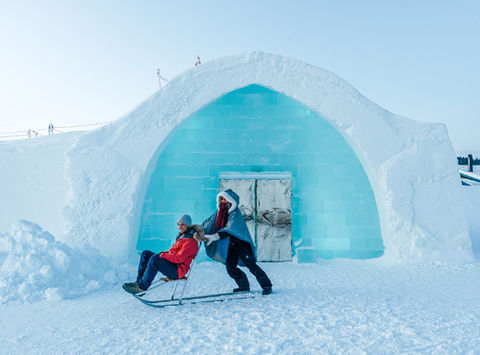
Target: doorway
(266, 204)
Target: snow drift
(34, 266)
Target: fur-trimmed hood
(235, 227)
(231, 197)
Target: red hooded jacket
(181, 253)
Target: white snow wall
(411, 165)
(32, 181)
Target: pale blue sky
(76, 62)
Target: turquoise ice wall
(257, 129)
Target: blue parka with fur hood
(236, 226)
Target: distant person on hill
(174, 264)
(228, 241)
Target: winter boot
(240, 279)
(132, 287)
(241, 289)
(267, 290)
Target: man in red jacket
(174, 263)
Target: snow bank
(33, 266)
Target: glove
(199, 233)
(210, 238)
(198, 237)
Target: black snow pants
(240, 249)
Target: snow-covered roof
(411, 165)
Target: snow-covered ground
(340, 306)
(61, 280)
(56, 299)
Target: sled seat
(166, 279)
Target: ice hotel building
(322, 172)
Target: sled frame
(165, 280)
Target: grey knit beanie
(185, 219)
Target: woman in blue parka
(228, 241)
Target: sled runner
(218, 297)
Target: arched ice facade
(364, 182)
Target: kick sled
(175, 300)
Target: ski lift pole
(160, 78)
